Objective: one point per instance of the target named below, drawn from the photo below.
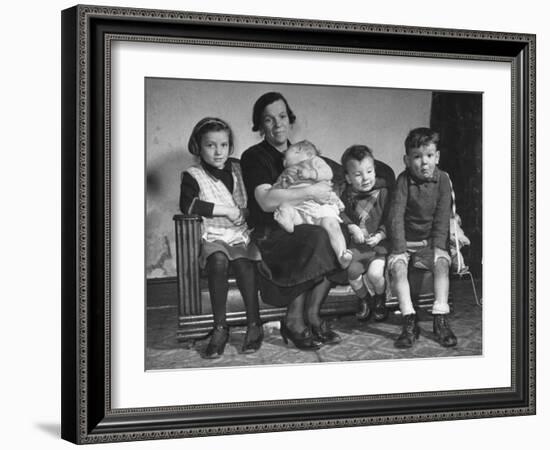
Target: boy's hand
(373, 239)
(357, 235)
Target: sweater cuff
(439, 243)
(399, 247)
(201, 208)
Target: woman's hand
(321, 192)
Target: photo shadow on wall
(162, 184)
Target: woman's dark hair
(419, 137)
(267, 99)
(356, 153)
(204, 126)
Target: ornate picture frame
(88, 415)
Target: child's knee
(376, 270)
(399, 269)
(218, 262)
(441, 266)
(355, 270)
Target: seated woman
(294, 267)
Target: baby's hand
(307, 174)
(373, 239)
(292, 173)
(357, 235)
(285, 182)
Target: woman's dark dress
(292, 263)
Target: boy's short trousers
(421, 256)
(365, 254)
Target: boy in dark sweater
(365, 215)
(419, 218)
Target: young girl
(365, 215)
(214, 189)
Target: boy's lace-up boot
(410, 332)
(443, 332)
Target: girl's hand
(357, 235)
(233, 214)
(373, 239)
(321, 192)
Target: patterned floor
(360, 341)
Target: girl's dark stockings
(217, 266)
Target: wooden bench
(195, 317)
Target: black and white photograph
(300, 224)
(281, 224)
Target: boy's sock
(358, 287)
(361, 291)
(406, 307)
(440, 307)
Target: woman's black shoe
(325, 335)
(380, 312)
(218, 338)
(253, 338)
(303, 340)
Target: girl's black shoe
(218, 338)
(303, 340)
(253, 338)
(325, 335)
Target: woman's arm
(270, 198)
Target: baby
(303, 165)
